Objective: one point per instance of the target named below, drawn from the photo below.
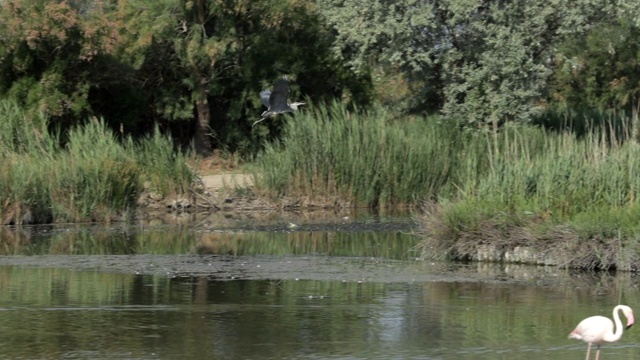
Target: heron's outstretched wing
(279, 95)
(264, 97)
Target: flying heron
(276, 100)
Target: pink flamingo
(599, 329)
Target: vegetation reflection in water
(54, 313)
(182, 240)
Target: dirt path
(220, 181)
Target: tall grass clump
(367, 157)
(21, 134)
(24, 194)
(534, 171)
(546, 187)
(25, 148)
(95, 177)
(163, 166)
(91, 177)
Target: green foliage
(161, 164)
(481, 61)
(541, 181)
(94, 177)
(47, 49)
(398, 41)
(217, 56)
(20, 134)
(601, 69)
(608, 223)
(168, 62)
(556, 174)
(365, 156)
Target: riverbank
(527, 240)
(502, 196)
(287, 267)
(231, 191)
(560, 246)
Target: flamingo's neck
(617, 334)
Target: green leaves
(138, 62)
(601, 69)
(51, 45)
(481, 61)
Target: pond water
(332, 289)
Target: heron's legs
(254, 124)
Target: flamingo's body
(599, 329)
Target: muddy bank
(230, 198)
(322, 268)
(525, 243)
(230, 192)
(282, 220)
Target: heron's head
(295, 105)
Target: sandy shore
(220, 181)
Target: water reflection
(249, 219)
(370, 239)
(358, 295)
(56, 313)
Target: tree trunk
(202, 141)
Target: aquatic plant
(557, 192)
(369, 157)
(91, 176)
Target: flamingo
(599, 329)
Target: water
(310, 294)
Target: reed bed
(92, 177)
(521, 186)
(374, 159)
(574, 197)
(537, 172)
(362, 156)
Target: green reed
(544, 183)
(164, 167)
(529, 186)
(534, 171)
(372, 158)
(92, 177)
(367, 157)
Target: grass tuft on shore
(574, 193)
(521, 186)
(93, 177)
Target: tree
(601, 70)
(197, 37)
(487, 61)
(48, 50)
(387, 38)
(212, 58)
(172, 62)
